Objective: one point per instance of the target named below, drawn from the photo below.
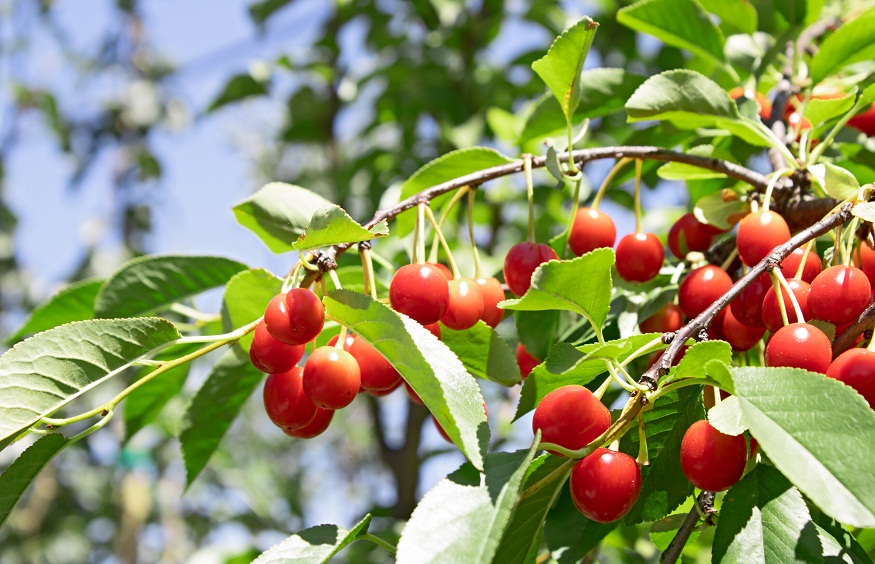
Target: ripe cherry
(332, 378)
(701, 288)
(639, 257)
(377, 374)
(465, 306)
(520, 263)
(772, 309)
(525, 361)
(812, 267)
(758, 234)
(296, 317)
(856, 368)
(414, 397)
(591, 230)
(314, 428)
(667, 319)
(747, 307)
(799, 345)
(571, 417)
(285, 401)
(710, 460)
(864, 259)
(864, 121)
(839, 294)
(688, 234)
(448, 274)
(492, 293)
(765, 105)
(421, 292)
(605, 485)
(270, 355)
(382, 393)
(740, 336)
(434, 329)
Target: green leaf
(431, 369)
(238, 88)
(152, 283)
(144, 404)
(73, 303)
(537, 330)
(484, 353)
(838, 542)
(692, 365)
(332, 225)
(557, 285)
(278, 213)
(727, 417)
(569, 535)
(851, 43)
(838, 182)
(22, 472)
(213, 408)
(314, 545)
(45, 372)
(735, 15)
(261, 11)
(821, 110)
(463, 518)
(682, 171)
(560, 68)
(718, 371)
(809, 430)
(679, 23)
(246, 297)
(718, 210)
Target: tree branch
(847, 338)
(705, 503)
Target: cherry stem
(445, 213)
(575, 204)
(801, 268)
(779, 294)
(638, 163)
(836, 249)
(478, 270)
(730, 259)
(643, 458)
(560, 472)
(654, 344)
(777, 175)
(604, 388)
(607, 181)
(379, 542)
(848, 247)
(530, 195)
(617, 378)
(341, 338)
(443, 241)
(419, 234)
(334, 280)
(291, 278)
(368, 270)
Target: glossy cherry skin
(314, 428)
(591, 230)
(839, 294)
(738, 335)
(270, 355)
(747, 307)
(296, 317)
(434, 329)
(772, 309)
(382, 393)
(812, 267)
(688, 234)
(377, 374)
(710, 460)
(758, 234)
(856, 368)
(799, 345)
(525, 361)
(701, 288)
(520, 263)
(667, 319)
(864, 259)
(571, 417)
(492, 293)
(285, 401)
(605, 485)
(864, 121)
(448, 274)
(465, 306)
(332, 378)
(639, 257)
(421, 292)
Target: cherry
(285, 401)
(605, 485)
(270, 355)
(382, 393)
(421, 292)
(688, 234)
(701, 288)
(316, 427)
(521, 261)
(856, 368)
(865, 121)
(465, 306)
(639, 257)
(747, 306)
(772, 309)
(414, 397)
(591, 230)
(799, 345)
(812, 267)
(765, 105)
(525, 361)
(571, 417)
(377, 374)
(839, 294)
(434, 329)
(332, 378)
(710, 460)
(667, 319)
(758, 234)
(864, 259)
(492, 293)
(740, 336)
(448, 274)
(296, 317)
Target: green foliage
(849, 44)
(238, 88)
(314, 545)
(73, 303)
(18, 476)
(246, 295)
(332, 226)
(484, 353)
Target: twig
(705, 504)
(847, 338)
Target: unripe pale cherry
(421, 292)
(591, 230)
(332, 378)
(710, 460)
(605, 485)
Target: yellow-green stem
(607, 181)
(530, 195)
(638, 164)
(478, 270)
(453, 266)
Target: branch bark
(705, 502)
(854, 330)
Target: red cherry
(667, 319)
(296, 317)
(382, 393)
(332, 378)
(421, 292)
(839, 294)
(856, 368)
(270, 355)
(434, 328)
(864, 259)
(864, 121)
(605, 485)
(710, 460)
(520, 263)
(639, 257)
(765, 105)
(347, 343)
(414, 397)
(377, 374)
(465, 306)
(758, 234)
(591, 230)
(740, 336)
(747, 307)
(492, 293)
(571, 417)
(799, 345)
(772, 309)
(448, 274)
(701, 288)
(812, 267)
(316, 427)
(285, 401)
(689, 234)
(525, 361)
